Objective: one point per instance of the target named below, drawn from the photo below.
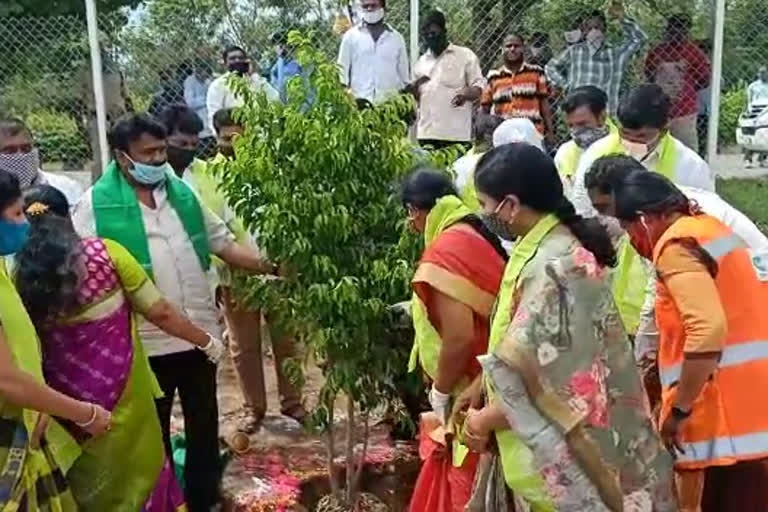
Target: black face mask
(240, 68)
(436, 42)
(180, 158)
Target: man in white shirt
(757, 92)
(448, 80)
(139, 203)
(20, 157)
(373, 60)
(196, 95)
(602, 180)
(219, 94)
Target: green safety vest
(516, 457)
(468, 192)
(630, 278)
(426, 343)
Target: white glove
(214, 349)
(441, 404)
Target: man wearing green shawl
(141, 204)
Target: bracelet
(90, 421)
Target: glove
(441, 404)
(214, 349)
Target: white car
(752, 131)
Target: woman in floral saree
(559, 369)
(82, 295)
(35, 453)
(455, 286)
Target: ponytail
(592, 235)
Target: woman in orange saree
(455, 287)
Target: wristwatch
(680, 414)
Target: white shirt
(220, 97)
(71, 189)
(464, 169)
(647, 337)
(196, 96)
(757, 93)
(373, 70)
(690, 171)
(176, 267)
(450, 72)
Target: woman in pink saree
(82, 295)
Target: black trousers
(194, 377)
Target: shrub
(58, 137)
(732, 104)
(319, 184)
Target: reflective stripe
(731, 356)
(719, 247)
(745, 446)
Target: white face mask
(595, 38)
(373, 17)
(573, 36)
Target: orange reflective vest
(729, 419)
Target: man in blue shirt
(286, 66)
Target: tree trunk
(349, 492)
(331, 453)
(363, 453)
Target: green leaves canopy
(318, 180)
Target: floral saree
(95, 355)
(563, 373)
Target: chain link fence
(151, 51)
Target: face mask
(240, 68)
(637, 150)
(586, 136)
(149, 175)
(437, 42)
(25, 166)
(373, 17)
(180, 158)
(573, 36)
(595, 38)
(640, 238)
(496, 225)
(12, 236)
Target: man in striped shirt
(593, 61)
(519, 89)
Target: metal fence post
(98, 85)
(717, 74)
(414, 39)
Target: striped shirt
(580, 64)
(517, 93)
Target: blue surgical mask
(146, 174)
(12, 236)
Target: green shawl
(118, 216)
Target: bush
(320, 186)
(58, 137)
(732, 104)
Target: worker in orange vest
(711, 304)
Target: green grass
(750, 195)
